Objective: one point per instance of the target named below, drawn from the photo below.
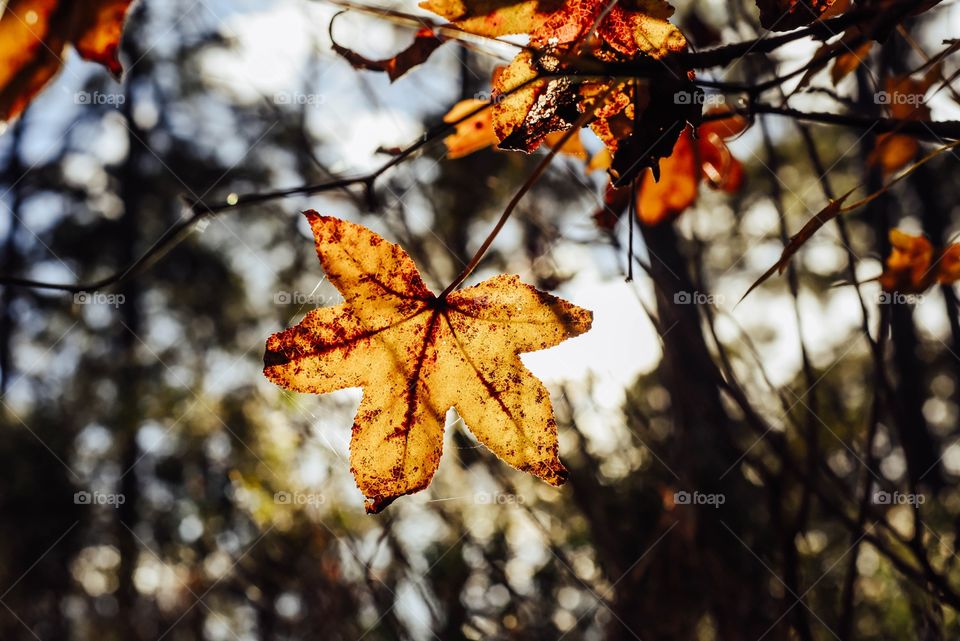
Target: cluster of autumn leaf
(914, 264)
(639, 122)
(526, 110)
(416, 355)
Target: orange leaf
(893, 152)
(474, 133)
(723, 128)
(416, 356)
(530, 106)
(848, 61)
(904, 97)
(100, 30)
(35, 34)
(640, 26)
(424, 43)
(677, 188)
(914, 265)
(949, 267)
(599, 161)
(718, 166)
(680, 173)
(527, 109)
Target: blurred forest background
(153, 485)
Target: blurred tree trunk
(702, 568)
(907, 394)
(129, 410)
(12, 260)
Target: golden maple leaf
(416, 356)
(34, 35)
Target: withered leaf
(914, 265)
(474, 131)
(848, 61)
(425, 42)
(641, 27)
(416, 356)
(494, 18)
(660, 200)
(825, 215)
(35, 35)
(664, 118)
(526, 109)
(786, 15)
(705, 157)
(630, 26)
(905, 99)
(533, 95)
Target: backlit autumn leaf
(666, 105)
(416, 356)
(473, 132)
(914, 265)
(638, 120)
(526, 109)
(35, 35)
(908, 265)
(630, 27)
(717, 165)
(705, 158)
(660, 200)
(905, 98)
(848, 61)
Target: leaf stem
(517, 197)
